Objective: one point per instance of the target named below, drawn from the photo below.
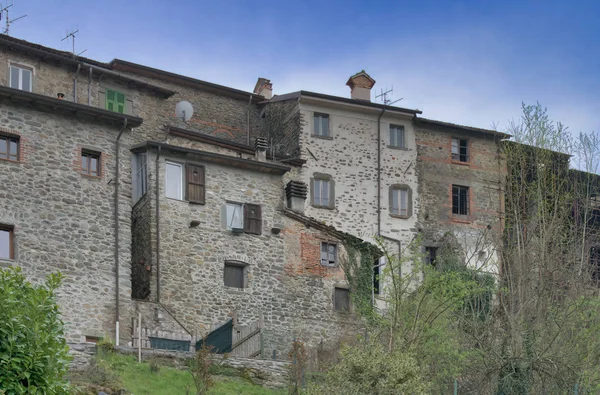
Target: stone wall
(280, 125)
(483, 174)
(142, 253)
(63, 220)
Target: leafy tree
(33, 353)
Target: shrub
(33, 352)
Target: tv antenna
(72, 35)
(384, 97)
(4, 13)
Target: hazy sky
(468, 62)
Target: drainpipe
(117, 174)
(75, 83)
(248, 120)
(90, 87)
(157, 229)
(379, 172)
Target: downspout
(90, 87)
(117, 174)
(248, 120)
(75, 83)
(379, 172)
(157, 228)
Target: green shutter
(115, 101)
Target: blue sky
(468, 62)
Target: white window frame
(395, 132)
(20, 70)
(179, 195)
(397, 195)
(318, 126)
(233, 206)
(140, 176)
(318, 193)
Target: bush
(33, 352)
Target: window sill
(321, 137)
(397, 148)
(460, 163)
(400, 216)
(461, 219)
(6, 262)
(325, 207)
(331, 266)
(235, 290)
(95, 178)
(17, 162)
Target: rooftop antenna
(4, 13)
(72, 35)
(384, 97)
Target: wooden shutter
(195, 184)
(234, 276)
(119, 102)
(252, 219)
(110, 100)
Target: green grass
(137, 378)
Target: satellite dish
(184, 110)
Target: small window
(21, 78)
(400, 201)
(328, 254)
(7, 250)
(92, 339)
(397, 136)
(233, 275)
(341, 299)
(115, 101)
(321, 125)
(431, 255)
(174, 180)
(322, 191)
(9, 147)
(235, 216)
(90, 163)
(377, 275)
(460, 200)
(140, 174)
(459, 150)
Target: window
(397, 136)
(233, 275)
(115, 101)
(20, 78)
(323, 193)
(341, 299)
(460, 200)
(9, 147)
(400, 201)
(7, 250)
(459, 150)
(377, 275)
(140, 174)
(90, 163)
(430, 255)
(321, 125)
(245, 218)
(328, 254)
(193, 190)
(174, 180)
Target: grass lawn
(137, 378)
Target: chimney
(295, 193)
(264, 88)
(360, 86)
(260, 149)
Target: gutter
(75, 83)
(117, 175)
(379, 172)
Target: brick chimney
(360, 86)
(264, 88)
(260, 149)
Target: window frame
(331, 195)
(394, 143)
(186, 169)
(250, 224)
(399, 188)
(20, 68)
(327, 244)
(140, 175)
(88, 155)
(181, 186)
(11, 241)
(9, 137)
(337, 304)
(239, 229)
(319, 133)
(459, 157)
(237, 265)
(467, 195)
(428, 255)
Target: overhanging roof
(76, 109)
(225, 160)
(462, 128)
